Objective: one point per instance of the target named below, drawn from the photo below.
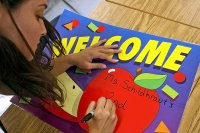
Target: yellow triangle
(162, 128)
(69, 26)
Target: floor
(55, 8)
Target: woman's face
(28, 16)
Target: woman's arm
(62, 63)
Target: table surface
(176, 19)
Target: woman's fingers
(105, 118)
(110, 51)
(99, 43)
(91, 107)
(101, 103)
(113, 113)
(109, 46)
(96, 66)
(104, 56)
(109, 105)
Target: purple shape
(61, 124)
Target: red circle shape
(75, 23)
(179, 77)
(101, 28)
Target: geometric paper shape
(92, 27)
(69, 26)
(80, 71)
(71, 92)
(170, 91)
(101, 28)
(22, 101)
(75, 22)
(150, 81)
(162, 128)
(179, 77)
(58, 111)
(138, 71)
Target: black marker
(87, 117)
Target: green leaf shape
(150, 81)
(80, 71)
(22, 101)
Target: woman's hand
(84, 58)
(105, 119)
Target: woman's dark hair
(30, 79)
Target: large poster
(151, 82)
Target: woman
(26, 71)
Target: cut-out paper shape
(92, 27)
(162, 128)
(80, 71)
(131, 107)
(179, 77)
(170, 91)
(69, 26)
(150, 81)
(72, 24)
(138, 71)
(22, 101)
(75, 23)
(72, 94)
(101, 29)
(55, 109)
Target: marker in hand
(87, 117)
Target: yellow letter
(55, 50)
(177, 55)
(136, 42)
(81, 44)
(152, 52)
(67, 46)
(114, 39)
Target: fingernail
(116, 60)
(104, 66)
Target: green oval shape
(150, 81)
